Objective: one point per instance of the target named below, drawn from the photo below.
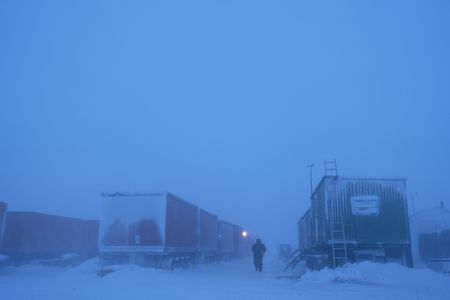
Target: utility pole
(310, 176)
(413, 198)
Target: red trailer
(30, 234)
(242, 241)
(207, 231)
(226, 238)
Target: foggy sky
(223, 103)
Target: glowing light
(244, 233)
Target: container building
(430, 238)
(354, 219)
(3, 208)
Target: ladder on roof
(330, 167)
(338, 238)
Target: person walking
(258, 249)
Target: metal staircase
(297, 257)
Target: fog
(223, 103)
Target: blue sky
(221, 102)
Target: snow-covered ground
(232, 280)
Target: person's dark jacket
(258, 249)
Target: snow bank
(377, 281)
(233, 280)
(372, 273)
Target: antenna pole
(310, 176)
(413, 198)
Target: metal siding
(40, 234)
(435, 245)
(304, 231)
(238, 240)
(320, 216)
(133, 220)
(242, 245)
(3, 208)
(390, 226)
(207, 231)
(313, 220)
(148, 232)
(181, 223)
(89, 235)
(226, 238)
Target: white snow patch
(233, 280)
(69, 256)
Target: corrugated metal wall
(226, 237)
(434, 245)
(207, 239)
(3, 208)
(181, 223)
(304, 231)
(331, 205)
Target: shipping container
(355, 219)
(149, 223)
(208, 236)
(430, 236)
(30, 234)
(242, 243)
(225, 237)
(3, 208)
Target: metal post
(413, 198)
(310, 176)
